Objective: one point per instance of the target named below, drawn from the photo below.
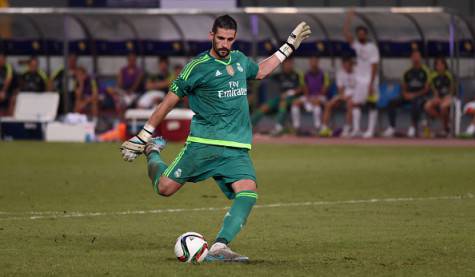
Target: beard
(221, 52)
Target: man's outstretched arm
(301, 32)
(168, 103)
(133, 147)
(347, 26)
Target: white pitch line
(54, 215)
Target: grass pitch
(75, 210)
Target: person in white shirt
(346, 83)
(366, 71)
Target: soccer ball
(191, 247)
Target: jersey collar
(220, 61)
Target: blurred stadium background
(102, 33)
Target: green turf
(406, 238)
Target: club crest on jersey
(230, 70)
(239, 67)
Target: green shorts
(197, 162)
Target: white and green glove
(135, 146)
(301, 32)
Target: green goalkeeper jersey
(217, 92)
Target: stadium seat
(32, 112)
(41, 107)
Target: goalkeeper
(220, 133)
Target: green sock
(155, 167)
(237, 215)
(256, 116)
(280, 118)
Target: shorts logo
(239, 67)
(177, 173)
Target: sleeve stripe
(190, 65)
(449, 75)
(43, 75)
(56, 73)
(94, 84)
(427, 72)
(9, 70)
(187, 66)
(301, 79)
(326, 80)
(187, 74)
(174, 163)
(173, 87)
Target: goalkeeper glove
(301, 32)
(133, 147)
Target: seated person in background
(156, 85)
(469, 109)
(290, 87)
(415, 87)
(56, 84)
(442, 89)
(86, 94)
(33, 79)
(7, 92)
(129, 80)
(315, 95)
(56, 80)
(346, 83)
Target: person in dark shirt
(442, 90)
(415, 87)
(33, 79)
(86, 94)
(56, 79)
(7, 93)
(291, 86)
(56, 84)
(156, 85)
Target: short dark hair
(225, 22)
(442, 59)
(347, 57)
(361, 28)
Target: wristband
(284, 51)
(146, 133)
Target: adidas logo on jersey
(218, 73)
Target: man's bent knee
(242, 185)
(167, 187)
